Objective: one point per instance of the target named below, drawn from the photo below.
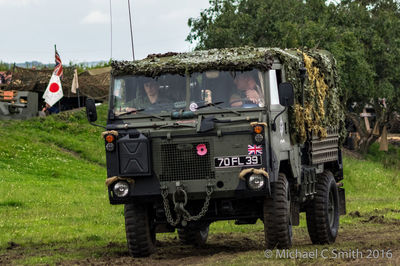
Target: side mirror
(91, 111)
(286, 94)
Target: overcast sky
(81, 28)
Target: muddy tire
(323, 212)
(277, 221)
(195, 237)
(140, 234)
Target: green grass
(389, 159)
(371, 189)
(52, 174)
(54, 204)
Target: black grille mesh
(181, 162)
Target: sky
(82, 32)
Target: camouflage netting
(316, 108)
(94, 86)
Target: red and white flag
(54, 90)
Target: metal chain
(188, 217)
(170, 220)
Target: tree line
(363, 35)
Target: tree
(363, 35)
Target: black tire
(277, 221)
(140, 233)
(323, 212)
(195, 237)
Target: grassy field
(54, 206)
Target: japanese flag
(54, 91)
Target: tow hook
(179, 198)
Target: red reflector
(110, 138)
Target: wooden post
(384, 140)
(366, 121)
(79, 99)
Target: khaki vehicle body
(195, 156)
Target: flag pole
(79, 99)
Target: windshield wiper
(209, 104)
(176, 125)
(130, 112)
(139, 110)
(218, 107)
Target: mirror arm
(93, 124)
(273, 126)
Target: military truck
(18, 104)
(186, 145)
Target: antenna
(130, 24)
(111, 40)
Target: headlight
(258, 138)
(121, 189)
(110, 146)
(256, 182)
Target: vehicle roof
(241, 58)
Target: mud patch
(11, 245)
(221, 248)
(355, 214)
(380, 219)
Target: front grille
(181, 162)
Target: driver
(247, 91)
(151, 89)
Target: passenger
(247, 91)
(2, 79)
(8, 77)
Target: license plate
(237, 161)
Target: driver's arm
(235, 100)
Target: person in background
(8, 77)
(2, 79)
(48, 110)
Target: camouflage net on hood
(312, 115)
(245, 58)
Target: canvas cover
(28, 79)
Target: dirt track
(237, 248)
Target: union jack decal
(254, 149)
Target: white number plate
(237, 161)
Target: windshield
(166, 93)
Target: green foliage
(82, 67)
(4, 66)
(363, 36)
